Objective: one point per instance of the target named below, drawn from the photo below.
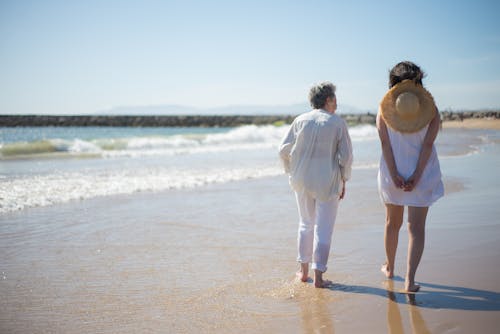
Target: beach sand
(474, 123)
(221, 259)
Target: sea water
(42, 166)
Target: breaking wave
(248, 137)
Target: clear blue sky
(77, 57)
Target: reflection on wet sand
(315, 313)
(394, 319)
(316, 317)
(314, 306)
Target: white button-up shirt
(317, 154)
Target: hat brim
(426, 112)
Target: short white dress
(406, 148)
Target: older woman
(409, 174)
(317, 155)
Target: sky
(82, 57)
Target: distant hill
(158, 110)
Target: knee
(392, 225)
(306, 226)
(415, 229)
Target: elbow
(346, 162)
(345, 173)
(384, 142)
(283, 154)
(427, 145)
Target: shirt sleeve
(345, 153)
(286, 147)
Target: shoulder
(307, 115)
(304, 118)
(379, 121)
(337, 121)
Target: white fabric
(317, 154)
(314, 238)
(406, 149)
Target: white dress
(406, 149)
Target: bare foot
(301, 276)
(412, 287)
(387, 272)
(321, 284)
(303, 273)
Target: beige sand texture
(221, 259)
(474, 123)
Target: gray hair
(320, 92)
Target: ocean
(41, 166)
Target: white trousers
(315, 229)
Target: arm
(345, 153)
(425, 152)
(345, 157)
(387, 152)
(286, 147)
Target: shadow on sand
(434, 296)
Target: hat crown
(407, 105)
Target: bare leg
(416, 231)
(319, 282)
(394, 220)
(303, 273)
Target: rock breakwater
(140, 121)
(198, 120)
(460, 116)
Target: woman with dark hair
(317, 155)
(409, 174)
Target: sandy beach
(473, 123)
(221, 259)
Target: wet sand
(220, 259)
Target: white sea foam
(75, 180)
(41, 190)
(363, 132)
(82, 146)
(240, 138)
(250, 137)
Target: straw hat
(407, 107)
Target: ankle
(318, 274)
